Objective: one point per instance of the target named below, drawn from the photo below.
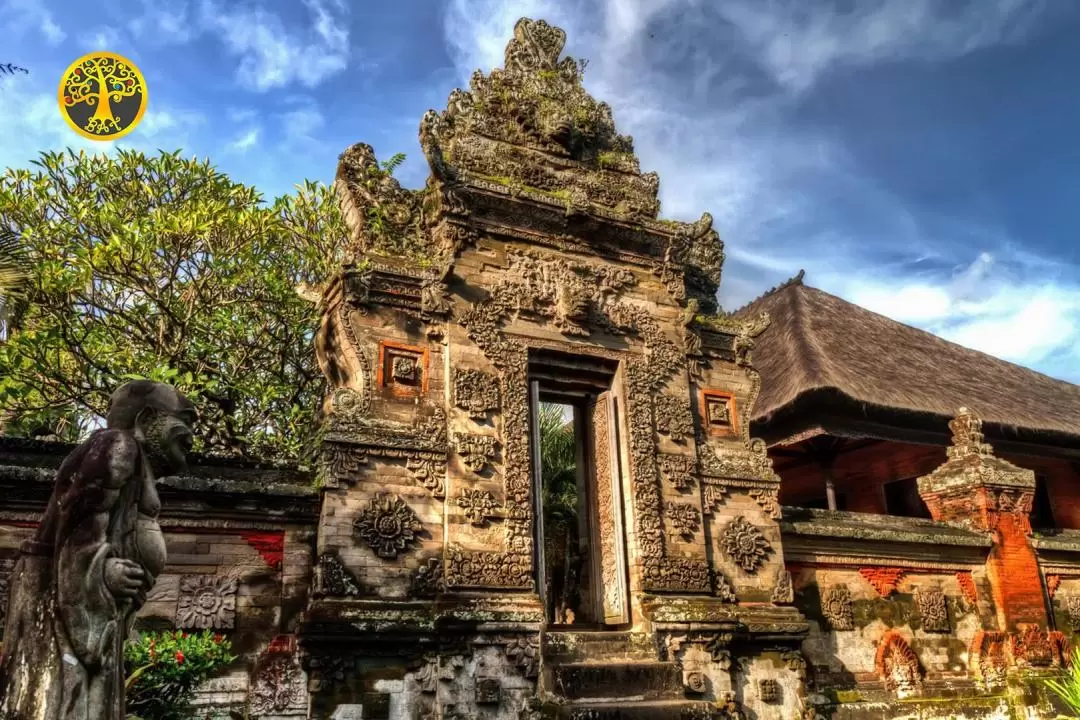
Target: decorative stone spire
(967, 436)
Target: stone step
(567, 647)
(655, 710)
(628, 680)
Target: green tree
(164, 268)
(558, 474)
(14, 275)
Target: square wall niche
(403, 369)
(718, 414)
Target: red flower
(185, 636)
(218, 637)
(179, 658)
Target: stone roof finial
(967, 435)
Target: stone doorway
(577, 476)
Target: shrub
(163, 669)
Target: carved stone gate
(537, 235)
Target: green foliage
(557, 466)
(163, 268)
(393, 163)
(1067, 685)
(14, 275)
(163, 669)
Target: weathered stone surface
(88, 568)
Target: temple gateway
(793, 511)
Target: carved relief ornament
(206, 601)
(744, 544)
(388, 525)
(476, 392)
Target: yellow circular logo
(102, 96)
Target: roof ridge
(796, 279)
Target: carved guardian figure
(96, 553)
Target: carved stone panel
(476, 392)
(744, 544)
(478, 505)
(684, 519)
(837, 609)
(279, 687)
(488, 691)
(933, 609)
(677, 470)
(206, 601)
(769, 690)
(897, 665)
(1072, 607)
(476, 451)
(334, 578)
(783, 593)
(388, 525)
(673, 417)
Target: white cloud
(101, 38)
(270, 54)
(797, 43)
(245, 141)
(18, 17)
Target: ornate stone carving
(967, 586)
(82, 575)
(882, 579)
(523, 651)
(837, 608)
(933, 609)
(749, 463)
(989, 662)
(696, 682)
(428, 472)
(478, 505)
(476, 451)
(897, 665)
(1053, 582)
(1072, 609)
(767, 499)
(488, 691)
(722, 588)
(325, 671)
(489, 569)
(476, 392)
(744, 544)
(428, 579)
(206, 601)
(677, 470)
(1031, 646)
(769, 690)
(279, 686)
(783, 593)
(684, 519)
(673, 417)
(334, 578)
(712, 495)
(388, 525)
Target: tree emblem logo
(102, 96)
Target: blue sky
(918, 157)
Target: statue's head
(160, 416)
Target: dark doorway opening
(578, 477)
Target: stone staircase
(607, 675)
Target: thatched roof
(819, 343)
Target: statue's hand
(124, 578)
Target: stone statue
(96, 553)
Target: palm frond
(1067, 685)
(10, 69)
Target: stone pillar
(984, 492)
